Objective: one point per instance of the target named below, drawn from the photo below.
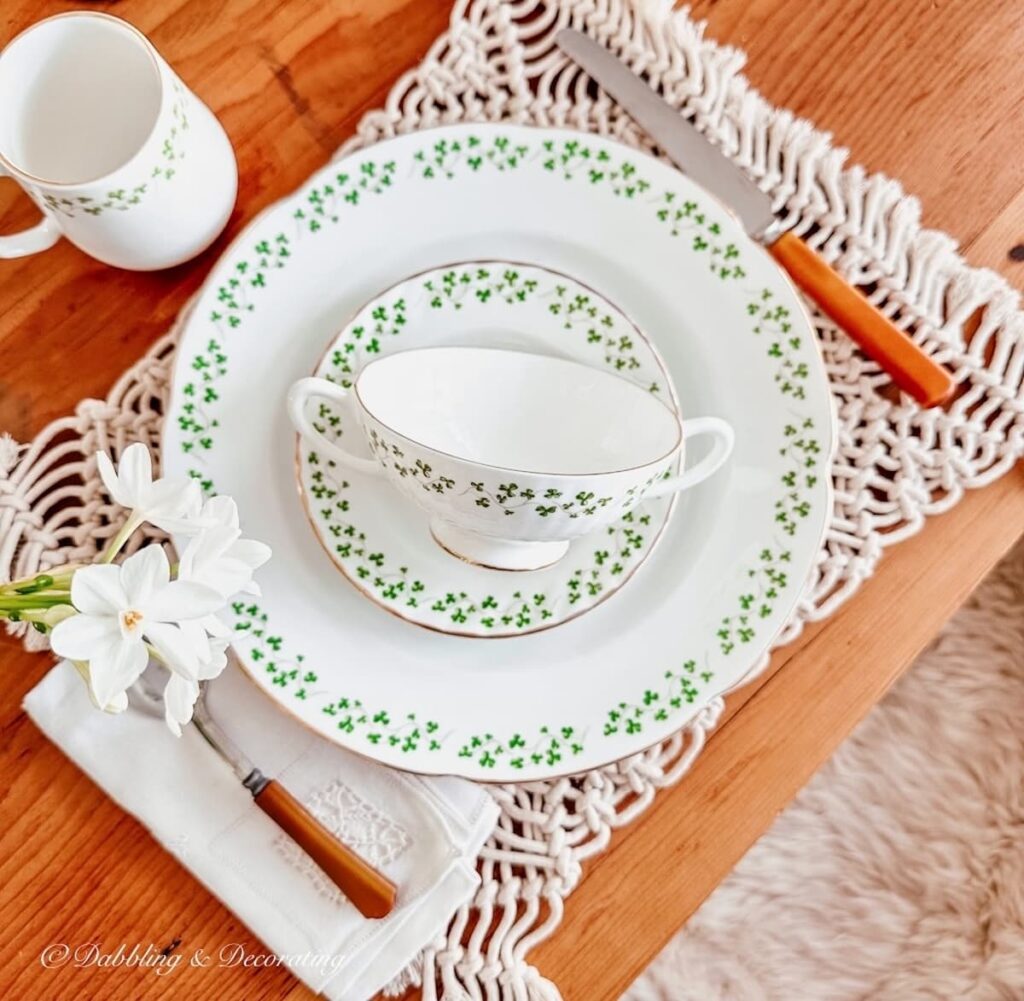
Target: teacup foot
(496, 554)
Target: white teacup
(119, 155)
(512, 454)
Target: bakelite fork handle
(911, 369)
(372, 893)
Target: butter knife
(372, 893)
(910, 368)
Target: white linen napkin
(425, 834)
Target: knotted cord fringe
(895, 464)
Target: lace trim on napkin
(360, 825)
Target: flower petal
(180, 696)
(225, 576)
(186, 559)
(171, 497)
(97, 590)
(181, 515)
(222, 511)
(109, 476)
(173, 648)
(252, 553)
(215, 627)
(182, 599)
(216, 662)
(143, 574)
(211, 543)
(197, 638)
(218, 558)
(117, 704)
(115, 668)
(135, 473)
(82, 636)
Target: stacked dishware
(475, 383)
(522, 386)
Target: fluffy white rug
(898, 873)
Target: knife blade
(908, 365)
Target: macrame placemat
(895, 464)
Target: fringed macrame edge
(497, 63)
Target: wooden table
(925, 91)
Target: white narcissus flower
(167, 504)
(218, 556)
(121, 609)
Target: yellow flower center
(130, 619)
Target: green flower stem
(40, 618)
(52, 582)
(41, 583)
(121, 538)
(33, 602)
(32, 598)
(62, 575)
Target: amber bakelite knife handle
(372, 893)
(911, 369)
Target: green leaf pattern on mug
(172, 151)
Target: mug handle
(313, 388)
(43, 235)
(711, 463)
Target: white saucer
(380, 540)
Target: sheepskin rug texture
(898, 873)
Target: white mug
(120, 156)
(511, 454)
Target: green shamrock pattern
(172, 151)
(509, 498)
(617, 550)
(574, 161)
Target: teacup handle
(711, 463)
(43, 235)
(312, 388)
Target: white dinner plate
(731, 564)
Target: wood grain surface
(930, 92)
